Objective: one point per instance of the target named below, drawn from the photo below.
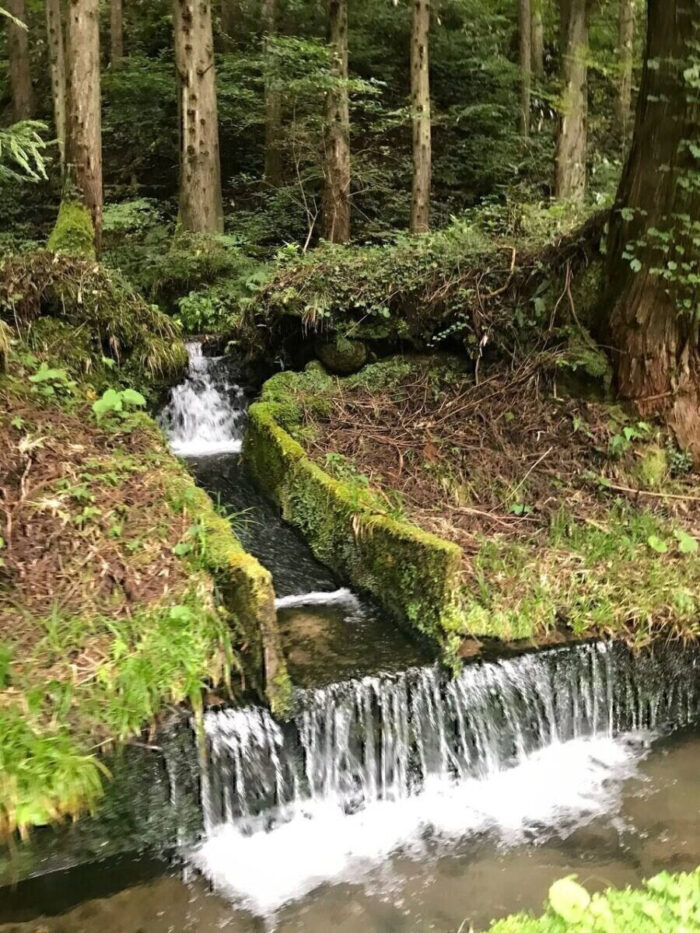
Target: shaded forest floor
(571, 515)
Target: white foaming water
(205, 413)
(342, 596)
(556, 789)
(374, 766)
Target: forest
(349, 454)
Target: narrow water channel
(396, 799)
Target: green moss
(73, 232)
(653, 468)
(412, 573)
(341, 356)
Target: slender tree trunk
(537, 40)
(420, 108)
(201, 206)
(626, 52)
(525, 65)
(116, 33)
(654, 326)
(18, 57)
(231, 17)
(336, 195)
(84, 121)
(273, 101)
(57, 64)
(571, 142)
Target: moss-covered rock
(73, 232)
(341, 356)
(412, 574)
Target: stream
(396, 799)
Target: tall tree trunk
(336, 195)
(116, 33)
(201, 206)
(231, 16)
(537, 40)
(273, 101)
(654, 326)
(57, 64)
(571, 141)
(18, 57)
(84, 121)
(626, 53)
(525, 65)
(420, 109)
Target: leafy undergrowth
(665, 904)
(106, 607)
(571, 516)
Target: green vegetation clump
(667, 903)
(73, 233)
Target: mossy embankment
(122, 591)
(498, 507)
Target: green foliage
(665, 904)
(113, 402)
(22, 152)
(73, 233)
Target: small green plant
(112, 402)
(621, 442)
(51, 382)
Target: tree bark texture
(570, 183)
(537, 40)
(654, 325)
(18, 60)
(57, 67)
(201, 207)
(626, 53)
(84, 121)
(336, 194)
(273, 101)
(525, 65)
(116, 33)
(420, 110)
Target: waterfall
(370, 765)
(205, 413)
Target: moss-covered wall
(412, 574)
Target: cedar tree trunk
(84, 123)
(57, 66)
(626, 52)
(273, 101)
(525, 65)
(336, 194)
(537, 40)
(570, 181)
(652, 250)
(18, 60)
(116, 33)
(420, 109)
(201, 207)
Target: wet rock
(341, 356)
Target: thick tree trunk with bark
(273, 101)
(201, 207)
(653, 326)
(336, 195)
(626, 53)
(18, 60)
(537, 32)
(570, 183)
(57, 65)
(525, 65)
(420, 109)
(84, 121)
(116, 33)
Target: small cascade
(367, 765)
(205, 413)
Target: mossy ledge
(413, 574)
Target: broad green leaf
(569, 899)
(657, 544)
